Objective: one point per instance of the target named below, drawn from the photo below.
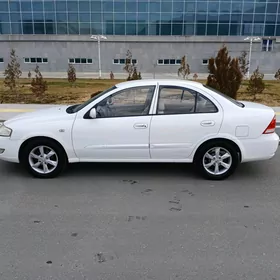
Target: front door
(183, 118)
(120, 130)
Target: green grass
(60, 91)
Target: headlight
(5, 131)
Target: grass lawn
(60, 92)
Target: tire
(208, 158)
(43, 158)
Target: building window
(1, 60)
(122, 61)
(267, 45)
(205, 61)
(80, 60)
(171, 61)
(35, 60)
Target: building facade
(53, 33)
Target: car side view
(144, 121)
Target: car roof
(147, 82)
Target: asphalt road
(140, 221)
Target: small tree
(112, 75)
(256, 83)
(195, 76)
(184, 69)
(12, 73)
(29, 74)
(129, 66)
(277, 75)
(38, 85)
(243, 63)
(134, 74)
(224, 73)
(139, 76)
(71, 73)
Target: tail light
(271, 127)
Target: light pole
(251, 39)
(98, 38)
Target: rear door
(183, 117)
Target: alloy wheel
(217, 161)
(43, 159)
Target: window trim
(78, 63)
(169, 59)
(119, 61)
(27, 60)
(86, 115)
(265, 47)
(183, 89)
(205, 63)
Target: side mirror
(92, 113)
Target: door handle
(140, 126)
(207, 123)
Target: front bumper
(9, 149)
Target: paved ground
(131, 222)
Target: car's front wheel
(217, 161)
(43, 158)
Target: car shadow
(163, 170)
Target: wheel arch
(220, 139)
(29, 140)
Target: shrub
(12, 73)
(129, 67)
(195, 76)
(256, 84)
(184, 69)
(243, 63)
(71, 74)
(277, 75)
(38, 85)
(224, 73)
(112, 75)
(95, 93)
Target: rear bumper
(9, 149)
(262, 148)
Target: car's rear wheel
(44, 158)
(217, 160)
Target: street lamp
(251, 39)
(98, 38)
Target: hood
(43, 115)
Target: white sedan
(144, 121)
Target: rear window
(237, 103)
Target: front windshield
(79, 107)
(237, 103)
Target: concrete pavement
(140, 221)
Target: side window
(177, 100)
(126, 103)
(204, 105)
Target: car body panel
(165, 138)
